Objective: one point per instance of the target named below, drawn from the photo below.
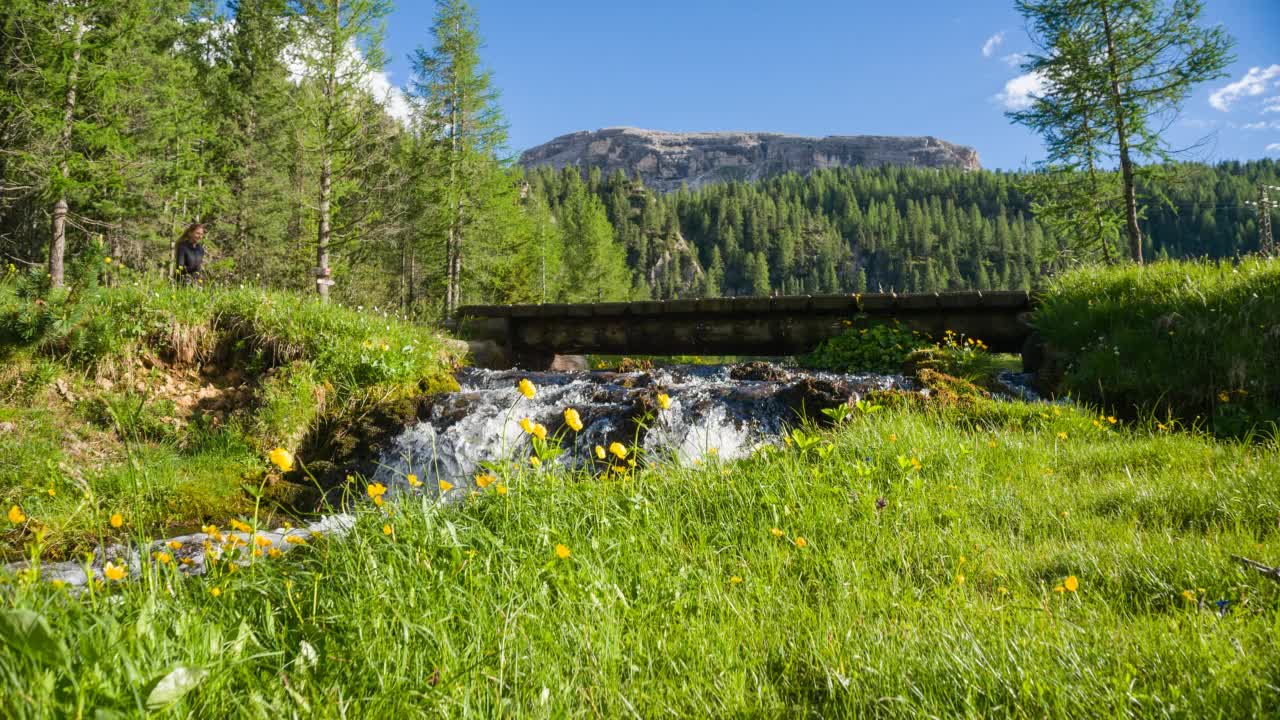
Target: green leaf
(29, 633)
(180, 681)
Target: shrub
(866, 347)
(1196, 340)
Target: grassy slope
(88, 385)
(467, 611)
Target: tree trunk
(322, 241)
(1122, 137)
(58, 243)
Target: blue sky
(819, 67)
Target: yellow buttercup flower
(1062, 436)
(387, 530)
(295, 539)
(526, 425)
(959, 579)
(117, 520)
(261, 540)
(527, 388)
(1071, 583)
(502, 489)
(734, 580)
(282, 459)
(600, 452)
(801, 542)
(1190, 595)
(535, 461)
(239, 526)
(16, 516)
(376, 490)
(445, 486)
(174, 545)
(618, 449)
(664, 401)
(540, 431)
(209, 529)
(572, 419)
(776, 532)
(413, 480)
(163, 558)
(483, 481)
(562, 552)
(215, 591)
(114, 572)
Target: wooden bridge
(531, 335)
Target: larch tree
(339, 48)
(1111, 71)
(456, 104)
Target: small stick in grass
(1267, 570)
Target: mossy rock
(950, 391)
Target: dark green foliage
(867, 347)
(1198, 341)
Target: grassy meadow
(966, 557)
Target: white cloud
(1021, 91)
(375, 81)
(1271, 105)
(1015, 59)
(992, 43)
(1273, 147)
(1253, 83)
(1261, 125)
(393, 100)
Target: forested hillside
(888, 228)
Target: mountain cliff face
(664, 160)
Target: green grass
(90, 378)
(467, 611)
(1195, 340)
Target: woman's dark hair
(186, 234)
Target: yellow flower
(257, 552)
(1190, 595)
(664, 401)
(535, 461)
(963, 559)
(386, 530)
(1002, 590)
(16, 516)
(1223, 397)
(599, 452)
(376, 490)
(274, 552)
(295, 539)
(215, 591)
(526, 425)
(1111, 420)
(775, 532)
(540, 431)
(187, 561)
(413, 480)
(384, 347)
(502, 489)
(174, 545)
(801, 542)
(618, 449)
(893, 437)
(484, 481)
(261, 540)
(562, 552)
(51, 492)
(1071, 583)
(445, 486)
(209, 529)
(915, 464)
(282, 459)
(1062, 436)
(113, 571)
(1058, 588)
(106, 260)
(117, 520)
(959, 579)
(163, 558)
(734, 580)
(572, 419)
(378, 501)
(527, 388)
